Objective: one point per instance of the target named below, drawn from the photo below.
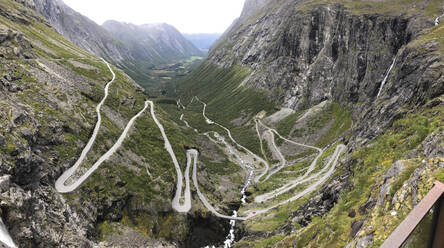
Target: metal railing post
(408, 225)
(438, 234)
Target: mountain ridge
(202, 41)
(112, 46)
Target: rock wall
(303, 56)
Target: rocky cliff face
(304, 55)
(79, 29)
(382, 61)
(49, 89)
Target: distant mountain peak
(124, 44)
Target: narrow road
(334, 160)
(318, 178)
(60, 183)
(186, 205)
(186, 123)
(313, 164)
(193, 153)
(261, 160)
(276, 151)
(260, 138)
(292, 184)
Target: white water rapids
(5, 238)
(230, 238)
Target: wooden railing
(402, 232)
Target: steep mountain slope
(137, 53)
(202, 41)
(158, 42)
(82, 31)
(50, 89)
(364, 73)
(150, 45)
(316, 124)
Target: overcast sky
(189, 16)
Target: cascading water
(386, 77)
(5, 238)
(230, 238)
(437, 19)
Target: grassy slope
(144, 140)
(218, 87)
(430, 8)
(373, 160)
(333, 229)
(341, 223)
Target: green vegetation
(219, 88)
(284, 126)
(224, 168)
(433, 34)
(342, 122)
(336, 118)
(124, 182)
(405, 174)
(247, 136)
(267, 242)
(106, 228)
(226, 101)
(372, 162)
(393, 7)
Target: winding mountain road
(313, 164)
(317, 178)
(333, 161)
(60, 183)
(193, 153)
(186, 205)
(261, 160)
(269, 137)
(260, 138)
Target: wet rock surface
(303, 58)
(322, 202)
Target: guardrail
(402, 232)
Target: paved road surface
(318, 178)
(193, 153)
(309, 189)
(313, 164)
(261, 160)
(60, 183)
(186, 205)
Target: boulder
(4, 183)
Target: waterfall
(386, 77)
(5, 238)
(230, 238)
(437, 19)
